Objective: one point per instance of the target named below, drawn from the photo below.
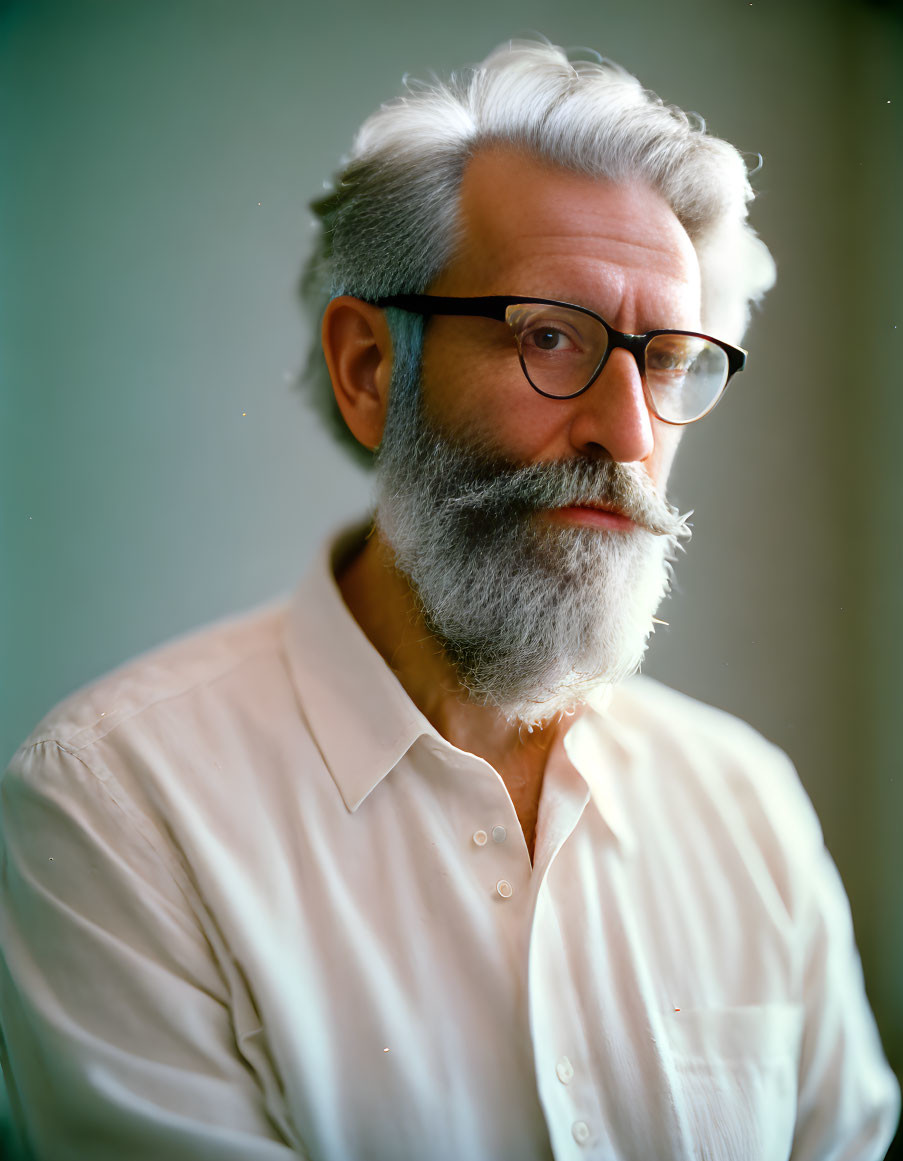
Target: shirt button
(480, 837)
(564, 1070)
(580, 1132)
(504, 888)
(499, 834)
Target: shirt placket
(567, 1088)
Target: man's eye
(673, 360)
(548, 339)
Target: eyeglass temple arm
(487, 306)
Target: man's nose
(612, 414)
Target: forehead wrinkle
(621, 253)
(607, 239)
(482, 243)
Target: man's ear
(358, 349)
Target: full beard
(533, 615)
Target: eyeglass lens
(561, 349)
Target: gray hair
(388, 224)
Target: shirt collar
(363, 721)
(601, 756)
(360, 716)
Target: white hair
(388, 225)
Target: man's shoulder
(215, 662)
(691, 753)
(659, 711)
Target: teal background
(158, 468)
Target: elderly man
(405, 869)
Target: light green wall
(157, 469)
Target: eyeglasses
(563, 349)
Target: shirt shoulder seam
(73, 746)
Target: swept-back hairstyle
(388, 224)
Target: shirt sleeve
(849, 1099)
(116, 1033)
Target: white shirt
(255, 907)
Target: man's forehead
(521, 213)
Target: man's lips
(593, 516)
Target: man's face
(529, 229)
(534, 531)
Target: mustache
(500, 488)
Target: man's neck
(382, 603)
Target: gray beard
(532, 615)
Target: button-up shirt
(254, 906)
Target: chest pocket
(736, 1075)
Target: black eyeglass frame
(494, 306)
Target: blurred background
(159, 467)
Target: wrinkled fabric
(254, 906)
